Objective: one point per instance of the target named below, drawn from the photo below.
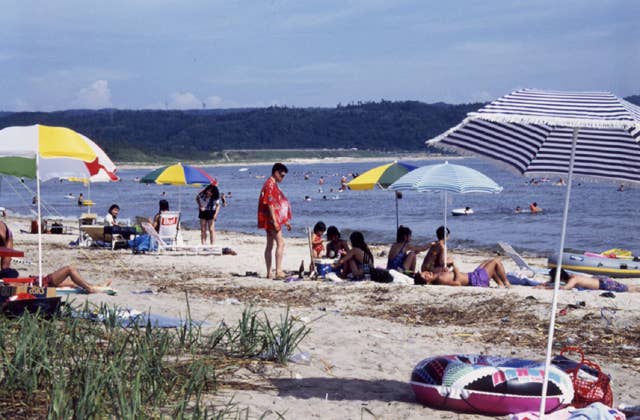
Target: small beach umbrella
(584, 134)
(179, 174)
(381, 176)
(446, 178)
(44, 152)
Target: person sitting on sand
(534, 207)
(358, 261)
(6, 240)
(489, 269)
(402, 255)
(588, 282)
(163, 205)
(316, 239)
(434, 260)
(336, 247)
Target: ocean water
(600, 217)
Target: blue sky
(181, 54)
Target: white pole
(556, 281)
(445, 230)
(39, 219)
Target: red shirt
(270, 195)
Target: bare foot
(108, 283)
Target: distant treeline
(153, 135)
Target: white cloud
(213, 101)
(185, 100)
(95, 96)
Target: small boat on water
(597, 264)
(467, 211)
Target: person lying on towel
(588, 282)
(480, 277)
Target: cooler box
(323, 266)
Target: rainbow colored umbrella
(382, 176)
(179, 174)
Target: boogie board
(61, 291)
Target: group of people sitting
(357, 261)
(437, 267)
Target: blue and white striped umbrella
(589, 134)
(532, 131)
(448, 178)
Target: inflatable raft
(488, 385)
(587, 262)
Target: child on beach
(316, 239)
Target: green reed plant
(70, 367)
(283, 338)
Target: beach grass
(72, 367)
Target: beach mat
(128, 318)
(63, 291)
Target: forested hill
(139, 136)
(148, 135)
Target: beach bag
(590, 384)
(142, 244)
(380, 275)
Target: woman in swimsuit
(358, 261)
(402, 255)
(336, 247)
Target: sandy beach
(365, 337)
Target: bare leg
(410, 262)
(495, 270)
(68, 276)
(271, 237)
(212, 231)
(279, 253)
(203, 231)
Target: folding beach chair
(520, 262)
(169, 228)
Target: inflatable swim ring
(87, 203)
(488, 385)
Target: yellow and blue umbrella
(43, 152)
(179, 174)
(382, 176)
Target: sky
(194, 54)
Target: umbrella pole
(397, 221)
(556, 281)
(445, 229)
(39, 220)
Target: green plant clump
(74, 367)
